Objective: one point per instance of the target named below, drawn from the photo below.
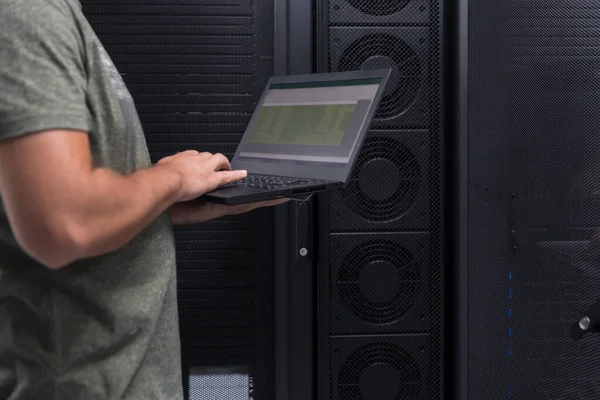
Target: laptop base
(236, 195)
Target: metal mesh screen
(380, 368)
(534, 115)
(196, 71)
(380, 283)
(231, 383)
(384, 245)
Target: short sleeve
(42, 74)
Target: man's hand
(201, 172)
(194, 212)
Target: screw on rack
(587, 323)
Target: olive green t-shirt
(102, 328)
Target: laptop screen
(310, 121)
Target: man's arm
(198, 211)
(59, 206)
(61, 209)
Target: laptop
(304, 136)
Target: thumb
(231, 176)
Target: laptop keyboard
(273, 182)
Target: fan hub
(379, 281)
(379, 178)
(379, 381)
(382, 62)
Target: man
(87, 262)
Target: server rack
(527, 168)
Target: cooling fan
(379, 371)
(380, 50)
(386, 181)
(379, 7)
(379, 12)
(379, 281)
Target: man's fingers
(226, 177)
(219, 162)
(205, 155)
(244, 208)
(270, 203)
(261, 204)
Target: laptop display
(311, 126)
(312, 121)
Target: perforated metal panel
(384, 243)
(196, 70)
(231, 383)
(388, 186)
(380, 283)
(534, 157)
(380, 368)
(405, 49)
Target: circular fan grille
(379, 7)
(386, 51)
(380, 371)
(378, 281)
(385, 182)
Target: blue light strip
(510, 328)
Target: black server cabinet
(528, 108)
(196, 70)
(380, 282)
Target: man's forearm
(118, 208)
(194, 212)
(104, 213)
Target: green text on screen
(316, 125)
